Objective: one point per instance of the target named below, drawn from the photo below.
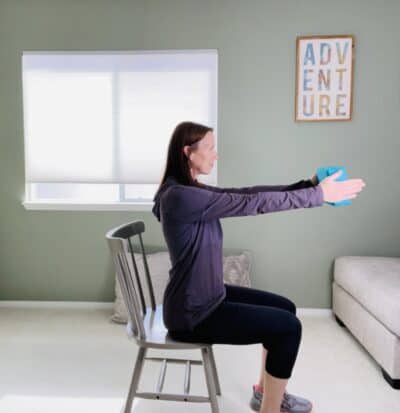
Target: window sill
(87, 206)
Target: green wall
(61, 255)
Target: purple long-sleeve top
(190, 218)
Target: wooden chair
(146, 326)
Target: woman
(198, 306)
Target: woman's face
(202, 157)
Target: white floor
(76, 360)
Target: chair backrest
(119, 242)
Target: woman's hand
(336, 191)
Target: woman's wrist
(314, 180)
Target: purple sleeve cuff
(319, 195)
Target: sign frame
(314, 39)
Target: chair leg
(215, 372)
(208, 370)
(135, 378)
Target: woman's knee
(298, 326)
(283, 348)
(294, 327)
(291, 333)
(290, 306)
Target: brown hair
(185, 133)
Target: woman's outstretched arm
(261, 188)
(191, 204)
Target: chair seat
(157, 335)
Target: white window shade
(108, 118)
(152, 104)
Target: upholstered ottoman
(366, 300)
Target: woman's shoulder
(180, 190)
(184, 199)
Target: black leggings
(248, 316)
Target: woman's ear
(186, 150)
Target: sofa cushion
(375, 283)
(236, 270)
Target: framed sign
(324, 78)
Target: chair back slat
(126, 292)
(133, 300)
(147, 272)
(140, 289)
(116, 245)
(119, 242)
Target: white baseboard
(56, 304)
(99, 305)
(322, 312)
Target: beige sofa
(366, 300)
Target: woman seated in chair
(198, 306)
